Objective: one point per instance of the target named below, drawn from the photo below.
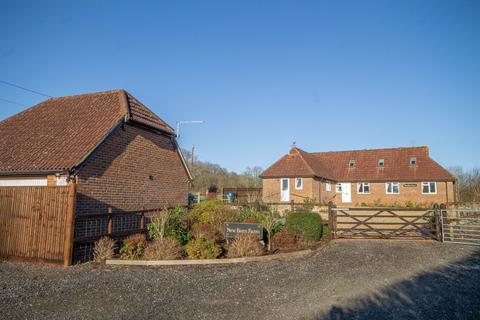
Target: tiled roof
(335, 165)
(57, 134)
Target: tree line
(468, 184)
(208, 175)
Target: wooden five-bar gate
(385, 223)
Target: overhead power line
(26, 89)
(14, 102)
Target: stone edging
(287, 255)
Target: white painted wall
(23, 182)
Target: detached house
(118, 152)
(396, 176)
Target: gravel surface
(348, 280)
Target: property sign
(234, 229)
(410, 185)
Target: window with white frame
(381, 163)
(392, 187)
(328, 187)
(413, 161)
(429, 187)
(338, 188)
(351, 164)
(363, 188)
(298, 183)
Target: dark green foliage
(306, 226)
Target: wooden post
(142, 220)
(69, 227)
(436, 219)
(292, 205)
(110, 222)
(332, 220)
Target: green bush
(306, 226)
(308, 205)
(212, 211)
(248, 215)
(202, 249)
(176, 225)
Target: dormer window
(413, 161)
(381, 163)
(351, 164)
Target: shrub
(284, 240)
(207, 231)
(170, 223)
(213, 212)
(247, 215)
(305, 225)
(163, 249)
(202, 248)
(245, 246)
(308, 205)
(104, 249)
(133, 246)
(409, 204)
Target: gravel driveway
(350, 279)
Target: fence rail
(461, 226)
(417, 223)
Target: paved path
(349, 280)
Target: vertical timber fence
(36, 223)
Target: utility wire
(14, 102)
(26, 89)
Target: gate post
(332, 220)
(437, 217)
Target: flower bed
(179, 234)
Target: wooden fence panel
(34, 223)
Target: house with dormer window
(376, 177)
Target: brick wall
(316, 189)
(134, 169)
(409, 191)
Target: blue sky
(330, 75)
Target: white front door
(284, 189)
(346, 192)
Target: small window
(392, 187)
(429, 187)
(351, 164)
(338, 188)
(298, 183)
(381, 163)
(413, 161)
(328, 187)
(363, 188)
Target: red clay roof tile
(335, 165)
(58, 133)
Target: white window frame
(414, 159)
(363, 185)
(386, 188)
(381, 163)
(296, 183)
(429, 187)
(328, 187)
(351, 163)
(338, 188)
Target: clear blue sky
(330, 75)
